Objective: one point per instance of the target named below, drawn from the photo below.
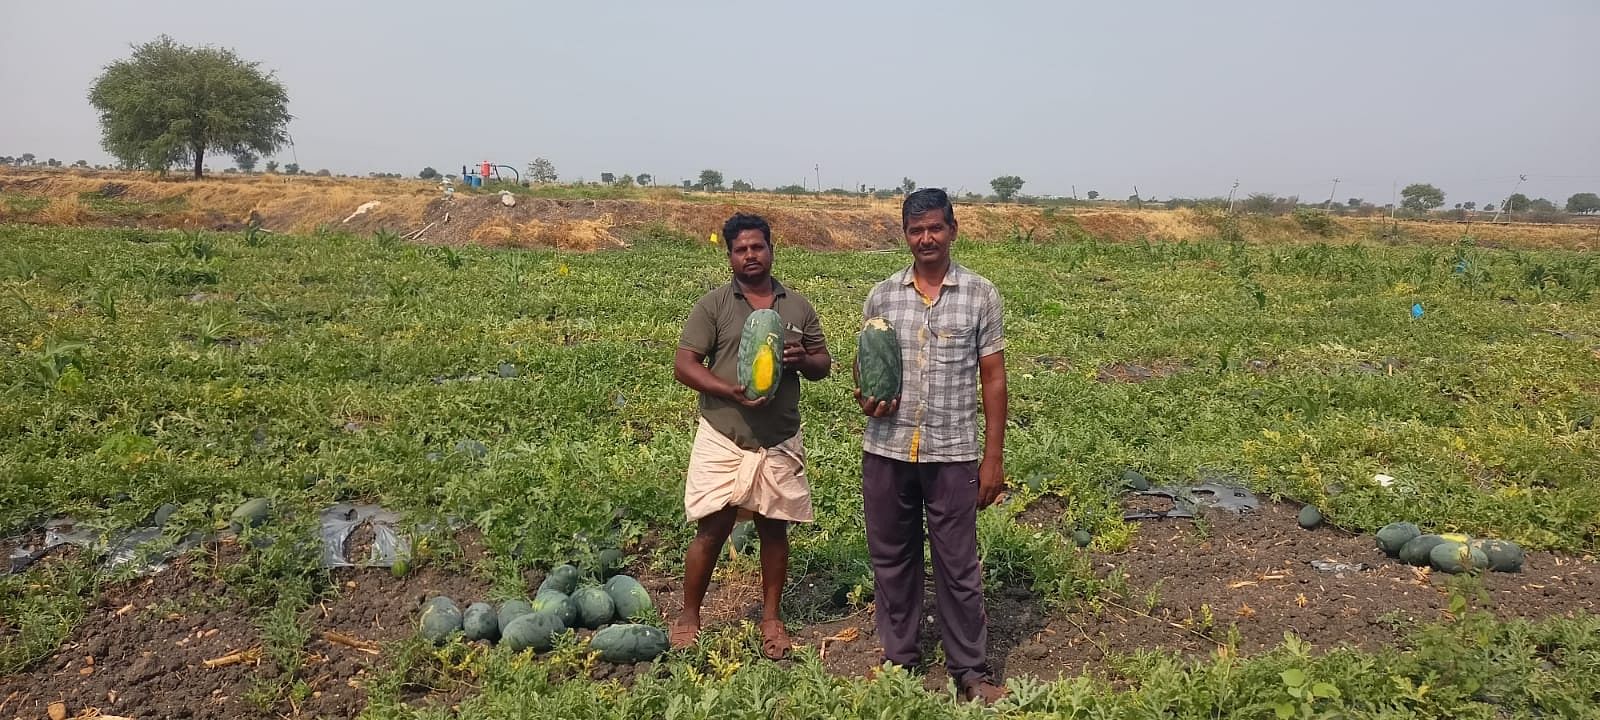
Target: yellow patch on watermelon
(762, 376)
(1454, 537)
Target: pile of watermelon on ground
(567, 599)
(1452, 553)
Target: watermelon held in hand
(878, 368)
(761, 354)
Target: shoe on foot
(983, 691)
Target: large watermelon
(878, 366)
(1395, 535)
(761, 354)
(1453, 557)
(629, 643)
(629, 596)
(534, 630)
(1503, 555)
(479, 622)
(1417, 550)
(595, 606)
(557, 604)
(440, 618)
(511, 610)
(562, 579)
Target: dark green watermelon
(1503, 555)
(479, 622)
(1416, 551)
(878, 367)
(537, 631)
(440, 617)
(595, 606)
(1395, 536)
(629, 643)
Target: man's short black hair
(741, 222)
(925, 200)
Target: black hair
(925, 200)
(741, 222)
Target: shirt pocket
(954, 342)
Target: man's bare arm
(991, 472)
(688, 367)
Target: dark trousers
(896, 494)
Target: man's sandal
(775, 642)
(681, 635)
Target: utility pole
(819, 178)
(1230, 195)
(1074, 192)
(1138, 202)
(1329, 205)
(1394, 204)
(1514, 189)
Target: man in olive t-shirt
(748, 458)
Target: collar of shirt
(952, 276)
(777, 289)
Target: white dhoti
(770, 482)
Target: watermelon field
(515, 410)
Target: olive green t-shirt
(713, 330)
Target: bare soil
(601, 224)
(141, 650)
(1251, 573)
(1137, 373)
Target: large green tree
(1421, 197)
(1006, 186)
(1583, 203)
(169, 104)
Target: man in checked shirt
(922, 454)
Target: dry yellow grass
(286, 204)
(63, 210)
(304, 203)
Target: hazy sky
(1176, 97)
